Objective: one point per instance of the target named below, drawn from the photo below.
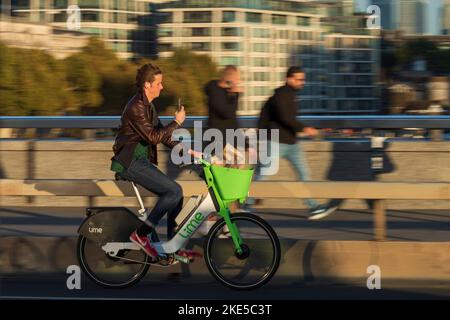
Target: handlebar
(197, 161)
(202, 161)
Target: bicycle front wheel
(259, 259)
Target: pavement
(27, 225)
(53, 286)
(410, 225)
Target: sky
(433, 13)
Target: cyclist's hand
(195, 154)
(180, 115)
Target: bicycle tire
(81, 246)
(275, 245)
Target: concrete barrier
(377, 191)
(414, 161)
(258, 189)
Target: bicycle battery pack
(188, 209)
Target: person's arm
(282, 107)
(139, 122)
(167, 141)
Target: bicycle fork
(234, 231)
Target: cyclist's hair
(294, 69)
(146, 73)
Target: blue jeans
(294, 154)
(146, 174)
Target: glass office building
(263, 38)
(125, 25)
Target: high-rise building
(264, 38)
(387, 12)
(60, 43)
(412, 16)
(338, 52)
(446, 17)
(340, 7)
(127, 26)
(352, 62)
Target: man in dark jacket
(135, 153)
(279, 113)
(223, 96)
(223, 99)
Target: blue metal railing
(333, 122)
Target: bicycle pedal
(182, 259)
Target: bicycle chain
(156, 263)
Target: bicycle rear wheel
(258, 262)
(122, 271)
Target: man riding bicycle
(135, 154)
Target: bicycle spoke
(257, 262)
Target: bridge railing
(334, 122)
(378, 191)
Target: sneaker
(246, 208)
(321, 212)
(144, 243)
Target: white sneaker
(246, 208)
(321, 212)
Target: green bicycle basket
(232, 184)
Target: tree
(440, 63)
(185, 75)
(118, 86)
(7, 81)
(438, 60)
(101, 59)
(32, 82)
(95, 81)
(410, 50)
(83, 84)
(112, 78)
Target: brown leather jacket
(140, 122)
